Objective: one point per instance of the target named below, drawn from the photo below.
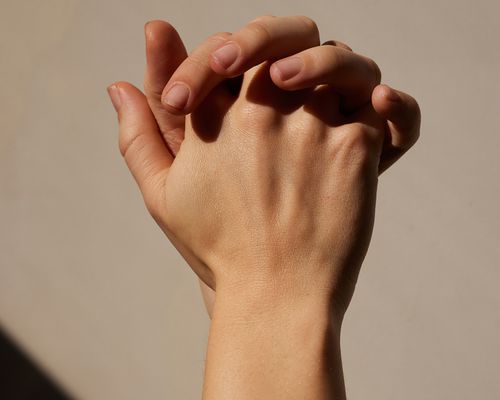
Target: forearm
(265, 344)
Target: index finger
(260, 40)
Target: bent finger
(351, 75)
(403, 116)
(263, 39)
(193, 80)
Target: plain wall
(94, 291)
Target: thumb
(140, 142)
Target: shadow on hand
(321, 101)
(262, 90)
(207, 118)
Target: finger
(337, 43)
(403, 122)
(164, 53)
(194, 79)
(349, 74)
(263, 39)
(140, 141)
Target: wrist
(267, 291)
(272, 300)
(272, 344)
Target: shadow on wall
(21, 379)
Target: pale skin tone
(268, 193)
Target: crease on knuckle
(125, 144)
(256, 118)
(326, 56)
(153, 90)
(196, 61)
(220, 36)
(260, 30)
(263, 18)
(311, 26)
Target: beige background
(92, 289)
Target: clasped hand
(258, 154)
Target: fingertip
(158, 23)
(114, 95)
(126, 96)
(275, 74)
(159, 33)
(385, 92)
(395, 105)
(402, 112)
(276, 77)
(148, 32)
(175, 98)
(385, 99)
(227, 59)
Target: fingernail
(289, 67)
(227, 55)
(177, 96)
(114, 95)
(392, 95)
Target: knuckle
(310, 24)
(255, 117)
(260, 30)
(326, 55)
(197, 62)
(152, 90)
(337, 43)
(308, 138)
(342, 45)
(129, 142)
(375, 69)
(220, 36)
(263, 19)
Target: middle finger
(349, 74)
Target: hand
(275, 241)
(201, 266)
(355, 78)
(352, 75)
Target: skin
(268, 192)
